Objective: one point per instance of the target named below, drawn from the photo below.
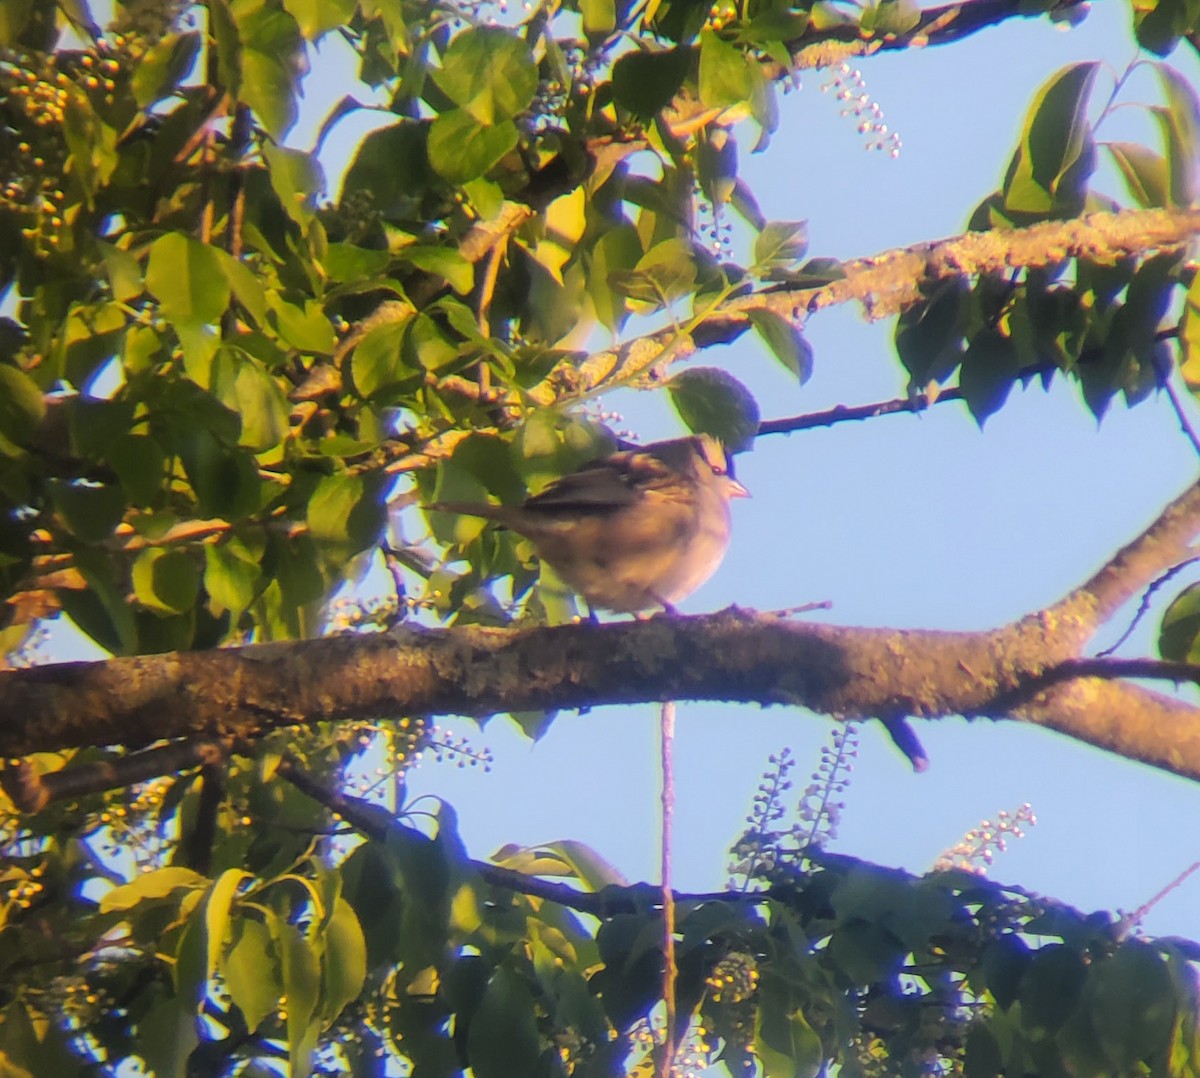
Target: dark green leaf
(231, 577)
(89, 511)
(251, 972)
(786, 342)
(22, 405)
(989, 369)
(166, 581)
(140, 465)
(1056, 154)
(1144, 172)
(1050, 988)
(664, 274)
(1180, 125)
(712, 401)
(779, 244)
(502, 1039)
(645, 82)
(1179, 634)
(345, 511)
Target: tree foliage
(214, 387)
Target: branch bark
(734, 655)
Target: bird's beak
(736, 490)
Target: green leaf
(240, 383)
(378, 362)
(426, 346)
(349, 262)
(1132, 1006)
(301, 984)
(716, 165)
(726, 78)
(225, 480)
(445, 262)
(1144, 172)
(124, 273)
(1189, 336)
(88, 511)
(617, 250)
(785, 1043)
(141, 466)
(1180, 124)
(462, 149)
(1050, 988)
(599, 17)
(188, 278)
(231, 577)
(989, 368)
(712, 401)
(267, 87)
(489, 73)
(1179, 634)
(502, 1039)
(296, 178)
(391, 169)
(162, 66)
(344, 964)
(929, 335)
(217, 916)
(166, 581)
(779, 244)
(664, 274)
(251, 972)
(786, 342)
(646, 82)
(22, 405)
(346, 512)
(1056, 156)
(318, 17)
(152, 886)
(101, 610)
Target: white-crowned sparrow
(639, 529)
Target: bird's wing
(603, 485)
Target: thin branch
(1144, 606)
(1184, 424)
(670, 966)
(1132, 920)
(31, 792)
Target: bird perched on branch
(642, 528)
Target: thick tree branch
(735, 655)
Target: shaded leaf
(711, 401)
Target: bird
(639, 529)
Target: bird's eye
(717, 469)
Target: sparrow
(639, 529)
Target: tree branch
(735, 655)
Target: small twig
(1132, 920)
(670, 966)
(1108, 669)
(803, 608)
(198, 843)
(1184, 424)
(1144, 606)
(31, 792)
(376, 822)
